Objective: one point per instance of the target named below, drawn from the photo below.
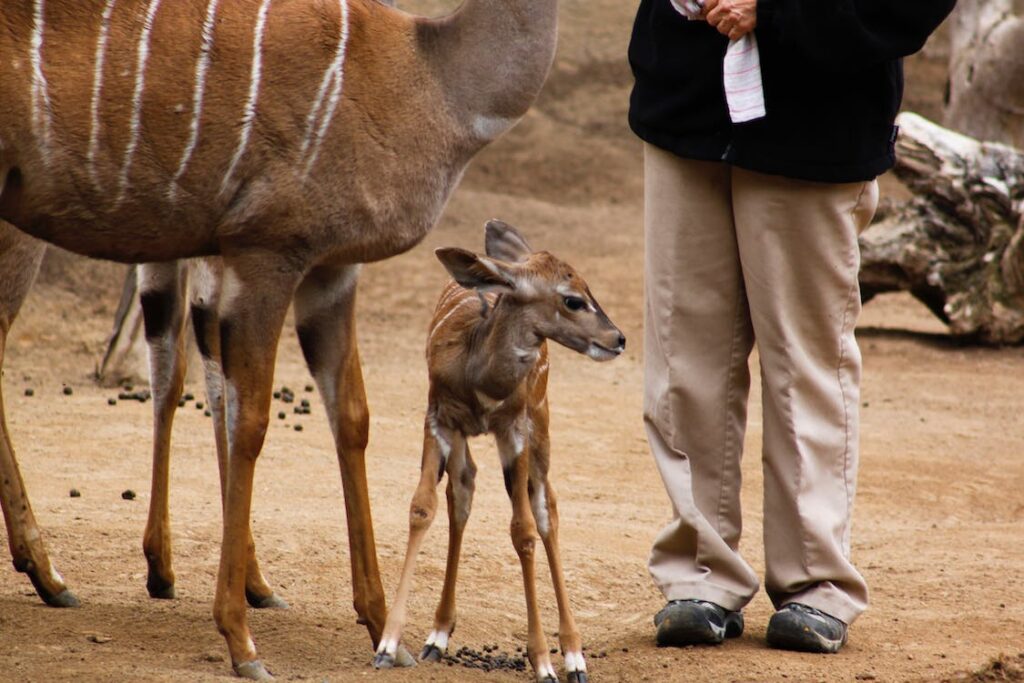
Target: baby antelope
(488, 363)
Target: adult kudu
(294, 140)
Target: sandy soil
(939, 518)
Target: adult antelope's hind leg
(19, 261)
(162, 295)
(515, 461)
(438, 444)
(257, 289)
(545, 511)
(325, 322)
(207, 274)
(461, 485)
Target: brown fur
(420, 98)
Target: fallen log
(958, 245)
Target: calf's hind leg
(461, 485)
(19, 262)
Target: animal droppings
(282, 415)
(199, 405)
(141, 396)
(111, 401)
(68, 391)
(128, 494)
(189, 397)
(298, 428)
(207, 413)
(309, 388)
(277, 395)
(488, 660)
(75, 493)
(30, 392)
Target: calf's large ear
(504, 242)
(477, 272)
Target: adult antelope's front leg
(325, 321)
(257, 290)
(162, 295)
(19, 262)
(207, 275)
(515, 461)
(438, 445)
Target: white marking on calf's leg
(135, 125)
(249, 112)
(100, 61)
(198, 95)
(539, 502)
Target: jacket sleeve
(848, 35)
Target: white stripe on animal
(249, 114)
(140, 85)
(337, 74)
(97, 88)
(198, 94)
(42, 124)
(440, 323)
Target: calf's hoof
(577, 677)
(383, 660)
(431, 653)
(63, 599)
(253, 671)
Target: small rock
(211, 657)
(128, 494)
(97, 638)
(75, 493)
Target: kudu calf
(487, 359)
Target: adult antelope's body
(293, 138)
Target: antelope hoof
(577, 677)
(159, 588)
(403, 658)
(383, 660)
(253, 671)
(265, 602)
(431, 653)
(63, 599)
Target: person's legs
(798, 246)
(696, 345)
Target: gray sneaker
(696, 622)
(805, 629)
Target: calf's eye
(574, 303)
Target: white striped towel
(744, 88)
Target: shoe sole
(800, 638)
(680, 627)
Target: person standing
(765, 124)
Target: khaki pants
(733, 256)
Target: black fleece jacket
(833, 83)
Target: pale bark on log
(986, 88)
(958, 246)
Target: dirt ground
(939, 519)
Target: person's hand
(733, 18)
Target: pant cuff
(696, 590)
